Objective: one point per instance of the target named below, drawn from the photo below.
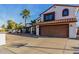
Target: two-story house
(58, 21)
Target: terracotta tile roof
(58, 21)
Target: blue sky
(12, 11)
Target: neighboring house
(58, 21)
(28, 28)
(77, 30)
(33, 27)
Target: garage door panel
(55, 31)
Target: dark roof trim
(47, 9)
(59, 5)
(65, 5)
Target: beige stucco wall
(58, 15)
(58, 12)
(37, 30)
(72, 30)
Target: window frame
(65, 10)
(47, 15)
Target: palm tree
(33, 22)
(25, 14)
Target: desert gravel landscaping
(26, 44)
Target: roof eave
(59, 5)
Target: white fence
(2, 38)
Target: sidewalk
(39, 45)
(4, 50)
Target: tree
(33, 22)
(25, 14)
(19, 26)
(11, 24)
(3, 26)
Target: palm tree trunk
(25, 25)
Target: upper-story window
(49, 16)
(65, 12)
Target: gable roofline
(60, 5)
(48, 9)
(65, 5)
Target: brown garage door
(54, 31)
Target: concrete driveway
(25, 44)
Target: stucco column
(72, 30)
(37, 30)
(31, 30)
